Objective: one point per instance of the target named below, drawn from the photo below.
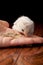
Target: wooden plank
(33, 57)
(10, 56)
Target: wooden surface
(32, 55)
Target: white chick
(24, 25)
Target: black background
(11, 11)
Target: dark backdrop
(12, 13)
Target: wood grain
(24, 55)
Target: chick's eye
(23, 30)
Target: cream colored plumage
(25, 25)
